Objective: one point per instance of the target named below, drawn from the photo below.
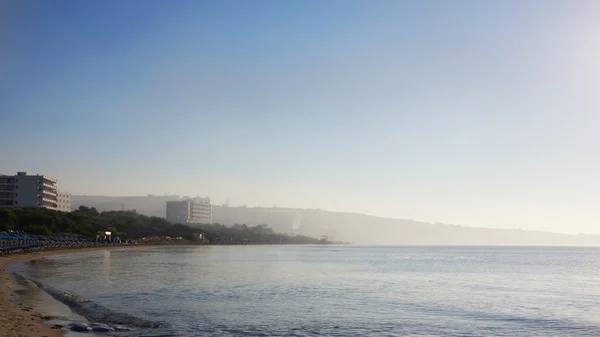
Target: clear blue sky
(481, 113)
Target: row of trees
(253, 234)
(86, 222)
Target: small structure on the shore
(103, 236)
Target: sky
(478, 113)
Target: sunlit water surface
(331, 290)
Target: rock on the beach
(99, 327)
(80, 327)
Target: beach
(16, 319)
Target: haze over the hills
(349, 227)
(479, 113)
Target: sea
(323, 290)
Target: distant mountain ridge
(352, 227)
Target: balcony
(49, 204)
(51, 186)
(49, 192)
(51, 180)
(203, 215)
(47, 198)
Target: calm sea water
(332, 290)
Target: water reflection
(106, 260)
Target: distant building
(64, 201)
(178, 211)
(201, 210)
(22, 190)
(196, 210)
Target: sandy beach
(16, 319)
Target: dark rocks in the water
(99, 327)
(80, 327)
(57, 326)
(122, 328)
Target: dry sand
(17, 320)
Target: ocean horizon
(331, 290)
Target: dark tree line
(253, 234)
(86, 222)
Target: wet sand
(16, 318)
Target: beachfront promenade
(18, 242)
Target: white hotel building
(196, 210)
(38, 191)
(64, 201)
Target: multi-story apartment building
(22, 190)
(64, 201)
(196, 210)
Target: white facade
(201, 211)
(64, 201)
(22, 190)
(197, 210)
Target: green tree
(86, 221)
(8, 219)
(113, 231)
(38, 230)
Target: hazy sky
(480, 113)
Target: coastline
(18, 320)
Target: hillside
(356, 228)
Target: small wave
(96, 312)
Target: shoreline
(18, 320)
